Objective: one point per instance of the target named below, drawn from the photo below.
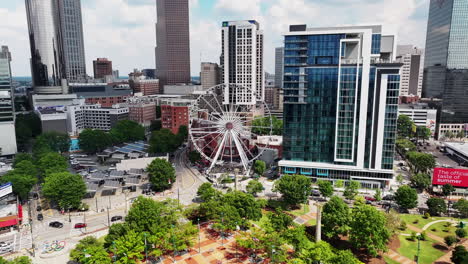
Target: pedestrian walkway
(430, 235)
(398, 258)
(447, 257)
(312, 214)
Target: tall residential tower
(412, 70)
(341, 91)
(172, 42)
(242, 60)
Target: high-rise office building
(279, 58)
(7, 111)
(446, 59)
(242, 61)
(341, 88)
(412, 70)
(56, 42)
(209, 74)
(172, 41)
(71, 29)
(102, 67)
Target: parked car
(369, 198)
(315, 193)
(38, 208)
(40, 217)
(56, 224)
(388, 197)
(116, 218)
(80, 225)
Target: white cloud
(244, 7)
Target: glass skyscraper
(446, 63)
(7, 111)
(341, 88)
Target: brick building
(107, 101)
(146, 87)
(175, 113)
(102, 67)
(142, 112)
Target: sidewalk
(398, 258)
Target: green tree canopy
(294, 188)
(21, 183)
(421, 162)
(94, 140)
(155, 125)
(182, 133)
(146, 213)
(52, 162)
(436, 206)
(462, 207)
(206, 192)
(259, 167)
(22, 156)
(163, 141)
(406, 197)
(459, 255)
(279, 221)
(40, 148)
(336, 218)
(326, 188)
(423, 133)
(405, 126)
(90, 251)
(244, 203)
(368, 229)
(351, 190)
(263, 126)
(65, 189)
(254, 187)
(57, 142)
(378, 195)
(194, 156)
(420, 181)
(405, 145)
(161, 174)
(447, 189)
(130, 248)
(23, 136)
(17, 260)
(127, 131)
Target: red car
(368, 198)
(80, 225)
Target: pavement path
(398, 258)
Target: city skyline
(108, 37)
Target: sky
(124, 30)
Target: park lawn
(301, 211)
(390, 261)
(428, 254)
(283, 206)
(312, 222)
(440, 227)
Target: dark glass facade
(322, 104)
(446, 59)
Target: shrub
(447, 224)
(460, 232)
(416, 221)
(402, 225)
(446, 230)
(450, 240)
(413, 236)
(423, 236)
(427, 215)
(434, 229)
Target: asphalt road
(187, 179)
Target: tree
(262, 125)
(31, 121)
(460, 232)
(155, 125)
(399, 178)
(23, 178)
(94, 140)
(421, 162)
(447, 189)
(182, 134)
(40, 148)
(129, 248)
(254, 187)
(17, 260)
(206, 192)
(163, 141)
(161, 174)
(345, 257)
(460, 255)
(339, 184)
(26, 167)
(65, 189)
(406, 197)
(244, 203)
(295, 189)
(404, 126)
(436, 205)
(115, 231)
(260, 167)
(351, 190)
(449, 134)
(325, 188)
(368, 229)
(320, 252)
(423, 133)
(23, 136)
(279, 221)
(146, 214)
(194, 156)
(405, 145)
(127, 131)
(90, 251)
(394, 221)
(336, 217)
(420, 181)
(378, 195)
(450, 240)
(57, 142)
(52, 162)
(22, 156)
(462, 207)
(461, 134)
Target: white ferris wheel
(221, 127)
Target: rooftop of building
(85, 90)
(460, 147)
(376, 29)
(415, 106)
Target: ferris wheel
(222, 127)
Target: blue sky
(124, 30)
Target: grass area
(409, 219)
(312, 222)
(101, 239)
(261, 221)
(428, 254)
(390, 261)
(439, 229)
(297, 212)
(301, 211)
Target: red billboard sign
(455, 177)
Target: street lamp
(199, 246)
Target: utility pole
(108, 217)
(31, 229)
(199, 246)
(318, 227)
(97, 210)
